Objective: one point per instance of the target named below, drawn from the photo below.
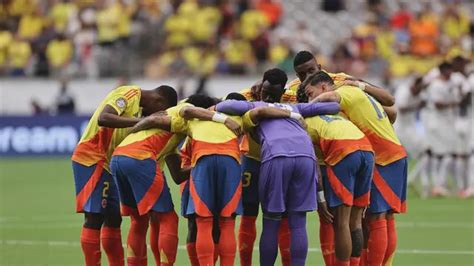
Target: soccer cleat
(439, 192)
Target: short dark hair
(168, 93)
(319, 77)
(235, 96)
(301, 96)
(275, 76)
(302, 57)
(200, 100)
(445, 66)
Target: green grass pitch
(38, 225)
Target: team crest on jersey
(120, 102)
(104, 203)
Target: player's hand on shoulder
(233, 126)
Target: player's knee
(357, 242)
(113, 220)
(93, 220)
(276, 216)
(377, 216)
(250, 209)
(192, 230)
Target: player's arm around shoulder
(391, 112)
(115, 106)
(161, 121)
(191, 112)
(234, 107)
(383, 96)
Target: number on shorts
(105, 190)
(247, 178)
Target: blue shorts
(288, 184)
(389, 187)
(215, 187)
(142, 185)
(348, 182)
(250, 173)
(96, 191)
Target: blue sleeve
(313, 109)
(234, 107)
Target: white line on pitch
(182, 247)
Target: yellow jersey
(368, 115)
(59, 52)
(97, 143)
(334, 137)
(208, 137)
(151, 143)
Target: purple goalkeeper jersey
(285, 136)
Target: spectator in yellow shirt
(19, 55)
(455, 23)
(108, 18)
(253, 23)
(125, 20)
(61, 13)
(5, 40)
(59, 52)
(31, 25)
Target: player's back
(150, 143)
(208, 137)
(97, 143)
(281, 137)
(335, 137)
(368, 115)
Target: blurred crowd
(156, 38)
(406, 40)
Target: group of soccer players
(443, 98)
(323, 142)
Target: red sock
(342, 262)
(168, 242)
(204, 241)
(355, 261)
(154, 240)
(227, 245)
(392, 240)
(191, 247)
(112, 243)
(363, 257)
(284, 240)
(377, 245)
(326, 238)
(247, 236)
(136, 240)
(90, 243)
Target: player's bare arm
(383, 96)
(391, 112)
(330, 96)
(110, 118)
(179, 175)
(323, 209)
(190, 112)
(153, 121)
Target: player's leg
(271, 194)
(284, 240)
(361, 201)
(247, 229)
(326, 230)
(191, 241)
(89, 183)
(342, 234)
(229, 190)
(388, 197)
(470, 183)
(268, 245)
(444, 163)
(300, 185)
(357, 236)
(202, 203)
(460, 173)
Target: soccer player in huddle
(346, 161)
(305, 64)
(388, 191)
(96, 192)
(288, 173)
(250, 176)
(144, 193)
